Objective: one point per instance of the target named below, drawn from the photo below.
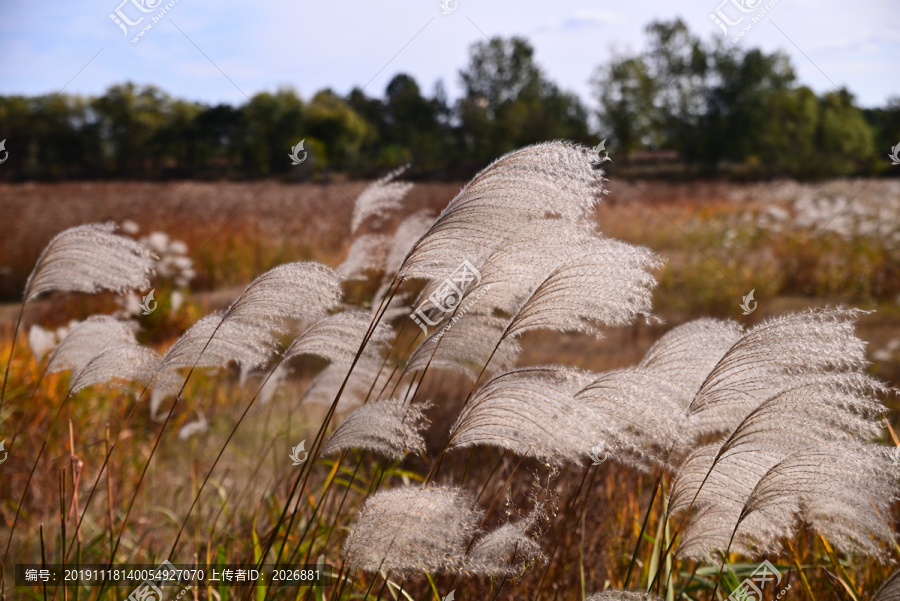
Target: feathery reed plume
(530, 411)
(685, 355)
(325, 386)
(835, 411)
(89, 258)
(549, 180)
(247, 344)
(550, 274)
(622, 596)
(129, 362)
(337, 338)
(604, 282)
(769, 358)
(87, 339)
(844, 493)
(405, 236)
(409, 530)
(85, 258)
(710, 528)
(526, 256)
(244, 333)
(367, 254)
(506, 551)
(388, 427)
(889, 589)
(466, 345)
(302, 290)
(378, 198)
(641, 416)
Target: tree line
(712, 109)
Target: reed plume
(378, 198)
(604, 282)
(465, 345)
(292, 291)
(544, 181)
(641, 417)
(214, 341)
(836, 413)
(685, 355)
(530, 411)
(246, 332)
(367, 254)
(405, 236)
(389, 427)
(338, 337)
(128, 362)
(87, 339)
(405, 531)
(90, 258)
(85, 258)
(506, 551)
(889, 590)
(366, 376)
(844, 493)
(771, 357)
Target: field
(797, 246)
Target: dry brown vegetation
(236, 231)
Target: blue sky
(220, 51)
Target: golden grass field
(720, 240)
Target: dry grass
(235, 231)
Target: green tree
(411, 124)
(272, 124)
(787, 141)
(218, 132)
(128, 117)
(843, 139)
(626, 93)
(736, 99)
(177, 142)
(338, 128)
(509, 103)
(885, 125)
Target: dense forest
(699, 108)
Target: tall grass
(723, 446)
